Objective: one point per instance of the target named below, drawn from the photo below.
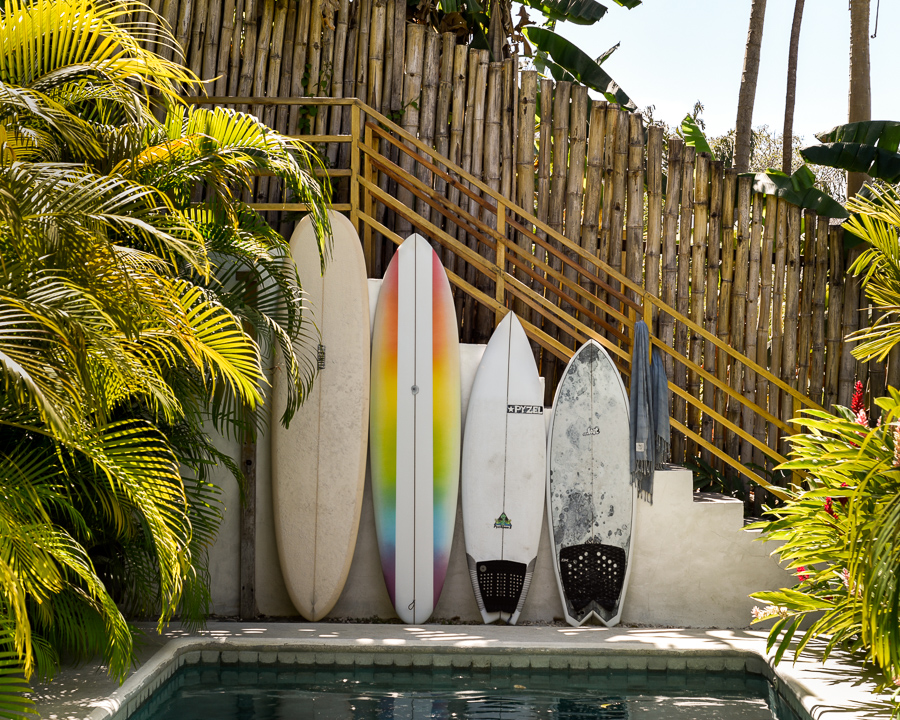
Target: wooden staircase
(500, 257)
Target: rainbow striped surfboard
(414, 427)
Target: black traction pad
(500, 583)
(592, 572)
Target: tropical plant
(869, 148)
(488, 25)
(130, 275)
(842, 533)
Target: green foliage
(842, 537)
(130, 275)
(798, 189)
(877, 222)
(568, 62)
(864, 147)
(693, 135)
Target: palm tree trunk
(747, 94)
(790, 96)
(860, 96)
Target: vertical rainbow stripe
(427, 501)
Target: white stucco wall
(693, 565)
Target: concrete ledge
(812, 690)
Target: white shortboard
(503, 473)
(319, 462)
(590, 499)
(415, 427)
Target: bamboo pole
(698, 277)
(248, 60)
(268, 187)
(478, 115)
(654, 211)
(682, 295)
(348, 114)
(634, 198)
(807, 279)
(765, 316)
(387, 81)
(739, 304)
(751, 336)
(836, 282)
(578, 117)
(377, 31)
(457, 124)
(169, 15)
(507, 125)
(298, 69)
(466, 164)
(543, 166)
(593, 184)
(223, 50)
(444, 99)
(817, 363)
(206, 43)
(427, 111)
(558, 181)
(711, 313)
(183, 28)
(670, 236)
(617, 209)
(361, 83)
(729, 187)
(287, 61)
(603, 243)
(525, 194)
(234, 57)
(337, 77)
(778, 315)
(484, 318)
(791, 309)
(412, 86)
(399, 50)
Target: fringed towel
(643, 436)
(659, 403)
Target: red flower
(802, 575)
(829, 507)
(857, 403)
(843, 500)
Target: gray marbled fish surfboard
(590, 499)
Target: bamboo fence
(752, 271)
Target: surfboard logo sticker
(592, 431)
(502, 522)
(525, 409)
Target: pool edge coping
(126, 699)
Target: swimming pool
(276, 692)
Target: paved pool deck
(838, 689)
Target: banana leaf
(693, 135)
(797, 189)
(579, 65)
(883, 133)
(579, 12)
(874, 161)
(630, 4)
(605, 56)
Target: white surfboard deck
(319, 462)
(415, 428)
(503, 490)
(590, 499)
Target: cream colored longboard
(319, 462)
(503, 488)
(590, 499)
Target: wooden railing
(500, 257)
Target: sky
(676, 52)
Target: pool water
(253, 692)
